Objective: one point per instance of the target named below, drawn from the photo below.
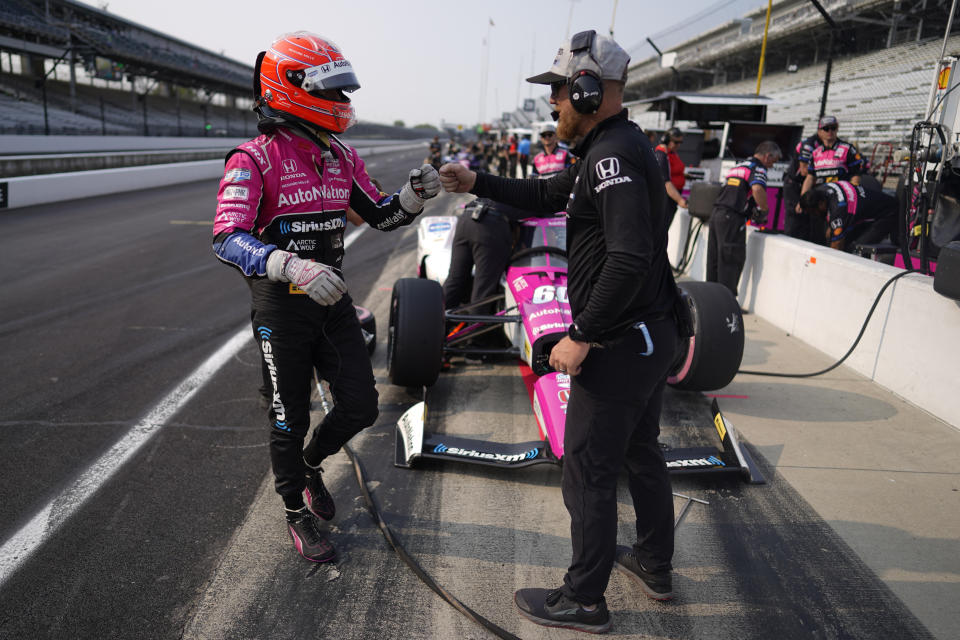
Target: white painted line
(16, 550)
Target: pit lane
(187, 538)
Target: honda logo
(608, 168)
(289, 165)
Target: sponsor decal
(232, 205)
(733, 182)
(399, 216)
(519, 283)
(237, 175)
(232, 217)
(289, 165)
(547, 327)
(236, 193)
(607, 168)
(612, 181)
(439, 227)
(279, 412)
(721, 428)
(733, 323)
(712, 461)
(483, 455)
(336, 242)
(563, 395)
(294, 176)
(316, 193)
(309, 226)
(543, 312)
(249, 247)
(563, 379)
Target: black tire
(711, 358)
(415, 337)
(369, 325)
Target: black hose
(852, 347)
(413, 564)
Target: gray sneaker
(551, 608)
(655, 585)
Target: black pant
(726, 247)
(296, 336)
(484, 243)
(523, 159)
(613, 420)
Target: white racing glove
(318, 281)
(424, 183)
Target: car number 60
(548, 293)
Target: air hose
(413, 564)
(849, 351)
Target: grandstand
(884, 56)
(122, 78)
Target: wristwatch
(575, 333)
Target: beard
(569, 124)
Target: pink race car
(534, 316)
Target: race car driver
(281, 213)
(854, 214)
(554, 158)
(623, 338)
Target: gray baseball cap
(587, 50)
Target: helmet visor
(337, 74)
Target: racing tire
(536, 251)
(416, 333)
(711, 357)
(368, 323)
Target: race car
(534, 315)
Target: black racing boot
(311, 543)
(319, 500)
(551, 608)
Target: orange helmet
(305, 76)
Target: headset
(585, 85)
(673, 133)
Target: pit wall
(56, 187)
(822, 296)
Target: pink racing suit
(841, 162)
(283, 191)
(547, 164)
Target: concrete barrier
(56, 187)
(822, 296)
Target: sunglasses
(555, 88)
(829, 127)
(547, 134)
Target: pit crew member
(833, 159)
(672, 168)
(554, 158)
(743, 196)
(282, 208)
(624, 335)
(797, 225)
(854, 214)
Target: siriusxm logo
(280, 413)
(315, 193)
(305, 226)
(712, 461)
(483, 455)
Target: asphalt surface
(109, 303)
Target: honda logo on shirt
(608, 168)
(289, 165)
